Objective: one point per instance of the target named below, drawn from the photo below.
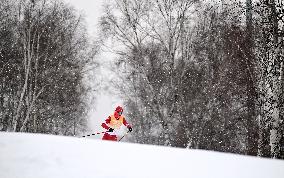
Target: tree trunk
(276, 71)
(27, 63)
(252, 125)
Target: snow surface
(45, 156)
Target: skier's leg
(106, 136)
(109, 137)
(114, 138)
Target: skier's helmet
(119, 110)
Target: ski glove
(130, 129)
(110, 130)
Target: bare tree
(52, 52)
(271, 61)
(143, 26)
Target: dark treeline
(202, 74)
(43, 52)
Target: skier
(114, 122)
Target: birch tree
(53, 51)
(271, 60)
(252, 125)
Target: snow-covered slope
(45, 156)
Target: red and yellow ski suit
(115, 122)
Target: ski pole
(94, 134)
(123, 135)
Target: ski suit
(114, 122)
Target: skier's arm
(126, 123)
(104, 125)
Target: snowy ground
(45, 156)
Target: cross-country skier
(114, 122)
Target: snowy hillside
(45, 156)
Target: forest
(44, 49)
(195, 74)
(201, 74)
